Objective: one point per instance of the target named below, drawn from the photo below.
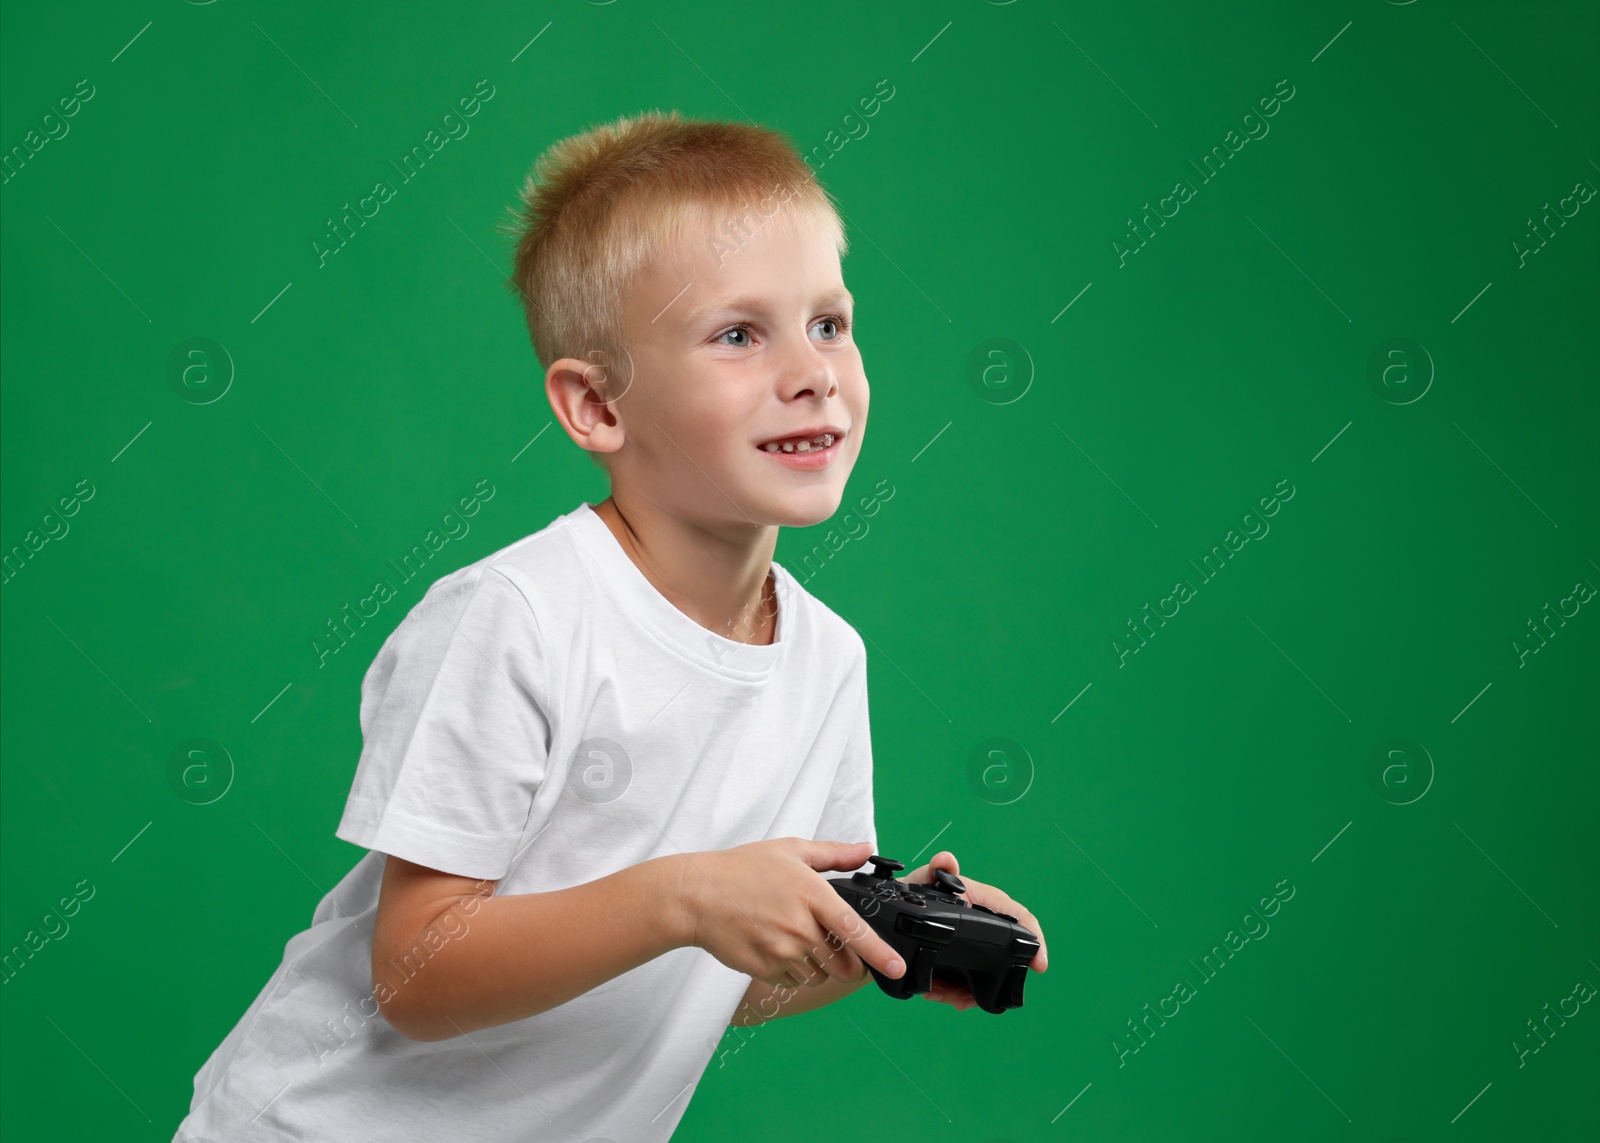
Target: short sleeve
(848, 814)
(455, 730)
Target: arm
(763, 1002)
(448, 957)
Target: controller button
(1011, 989)
(1022, 946)
(924, 928)
(948, 882)
(920, 971)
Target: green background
(1143, 803)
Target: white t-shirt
(545, 717)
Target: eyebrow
(759, 305)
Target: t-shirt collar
(672, 627)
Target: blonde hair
(598, 205)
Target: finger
(992, 898)
(829, 855)
(815, 971)
(828, 958)
(923, 874)
(958, 996)
(839, 962)
(843, 921)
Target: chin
(806, 508)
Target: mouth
(805, 451)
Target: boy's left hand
(959, 996)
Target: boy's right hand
(764, 909)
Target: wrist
(678, 883)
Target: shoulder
(519, 586)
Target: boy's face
(731, 349)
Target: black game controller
(941, 935)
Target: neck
(720, 578)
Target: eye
(839, 322)
(744, 329)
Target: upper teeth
(822, 441)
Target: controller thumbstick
(884, 866)
(948, 882)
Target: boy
(593, 761)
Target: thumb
(822, 855)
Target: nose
(808, 372)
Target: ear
(580, 396)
